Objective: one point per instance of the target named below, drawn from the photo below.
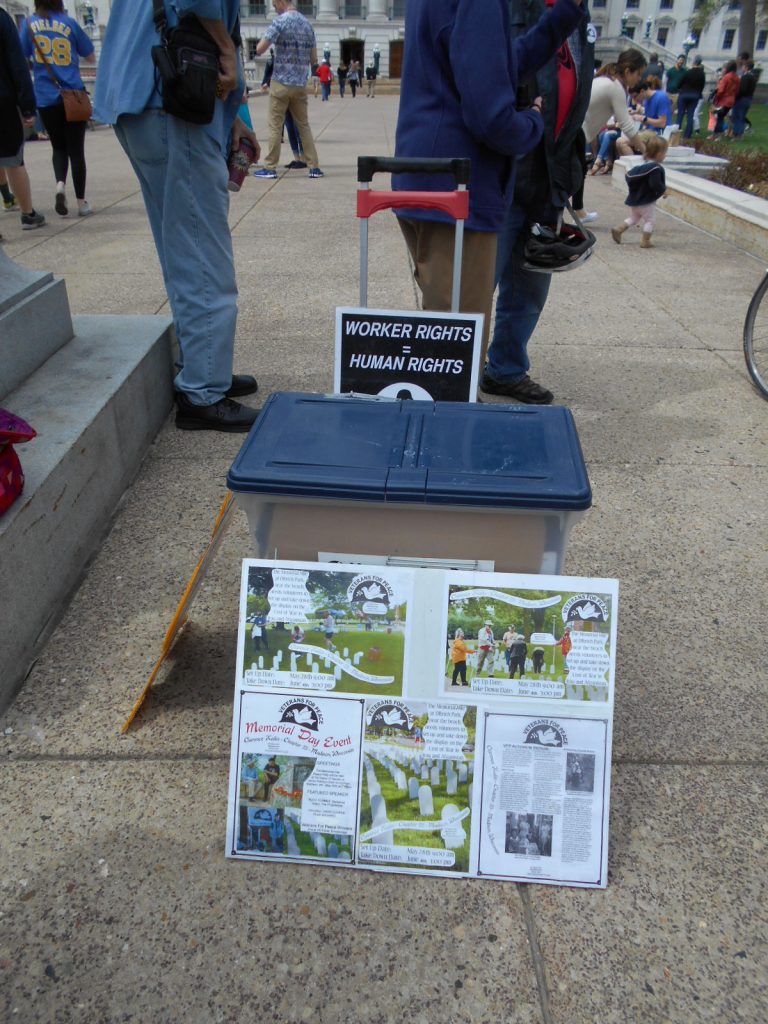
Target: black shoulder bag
(187, 61)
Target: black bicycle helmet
(549, 250)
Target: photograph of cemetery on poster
(269, 810)
(528, 643)
(325, 629)
(416, 785)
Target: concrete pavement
(117, 902)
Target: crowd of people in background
(349, 74)
(638, 108)
(627, 104)
(514, 91)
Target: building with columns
(363, 30)
(663, 26)
(367, 29)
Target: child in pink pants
(646, 183)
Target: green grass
(389, 663)
(307, 847)
(401, 808)
(756, 140)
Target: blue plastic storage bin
(492, 486)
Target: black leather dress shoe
(225, 415)
(242, 384)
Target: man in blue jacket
(182, 170)
(545, 179)
(459, 99)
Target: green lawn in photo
(401, 808)
(391, 647)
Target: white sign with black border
(393, 353)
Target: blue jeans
(325, 88)
(739, 115)
(183, 178)
(294, 140)
(605, 149)
(521, 298)
(686, 104)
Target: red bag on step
(13, 430)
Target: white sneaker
(589, 217)
(84, 210)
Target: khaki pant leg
(297, 104)
(278, 104)
(430, 244)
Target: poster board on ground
(394, 353)
(424, 721)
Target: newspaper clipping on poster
(543, 799)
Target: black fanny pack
(187, 61)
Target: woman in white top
(609, 99)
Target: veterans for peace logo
(373, 593)
(406, 390)
(545, 733)
(390, 713)
(591, 34)
(585, 608)
(302, 712)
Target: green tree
(329, 589)
(470, 614)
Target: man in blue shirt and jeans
(295, 53)
(182, 170)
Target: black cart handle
(367, 166)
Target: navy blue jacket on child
(646, 184)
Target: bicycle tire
(756, 338)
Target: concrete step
(34, 321)
(96, 403)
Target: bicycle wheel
(756, 338)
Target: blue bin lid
(435, 453)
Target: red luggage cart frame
(455, 203)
